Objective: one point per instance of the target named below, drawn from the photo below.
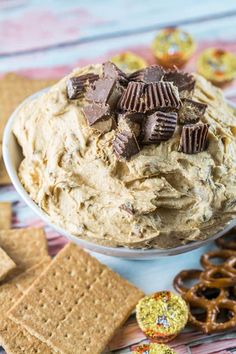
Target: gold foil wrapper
(153, 348)
(173, 46)
(217, 66)
(129, 62)
(161, 316)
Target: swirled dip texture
(159, 198)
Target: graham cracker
(13, 90)
(16, 340)
(5, 216)
(13, 337)
(77, 304)
(6, 264)
(27, 247)
(13, 290)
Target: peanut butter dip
(160, 198)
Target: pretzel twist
(212, 300)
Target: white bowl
(12, 155)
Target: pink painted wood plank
(44, 27)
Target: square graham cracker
(16, 340)
(26, 247)
(7, 265)
(13, 290)
(5, 216)
(77, 304)
(13, 337)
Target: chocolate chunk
(191, 111)
(111, 71)
(193, 138)
(105, 91)
(133, 98)
(162, 94)
(159, 126)
(184, 81)
(77, 85)
(96, 112)
(125, 144)
(151, 74)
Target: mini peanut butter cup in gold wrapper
(129, 62)
(173, 46)
(153, 348)
(162, 315)
(217, 66)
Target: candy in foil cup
(153, 348)
(173, 47)
(129, 62)
(217, 66)
(162, 315)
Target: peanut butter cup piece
(191, 111)
(78, 84)
(96, 112)
(105, 91)
(150, 74)
(194, 138)
(162, 95)
(159, 126)
(111, 71)
(125, 144)
(184, 81)
(134, 98)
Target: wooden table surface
(48, 38)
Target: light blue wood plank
(124, 14)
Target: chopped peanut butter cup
(125, 144)
(111, 71)
(184, 81)
(133, 99)
(150, 74)
(105, 91)
(162, 94)
(140, 97)
(96, 112)
(77, 85)
(194, 138)
(191, 111)
(159, 126)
